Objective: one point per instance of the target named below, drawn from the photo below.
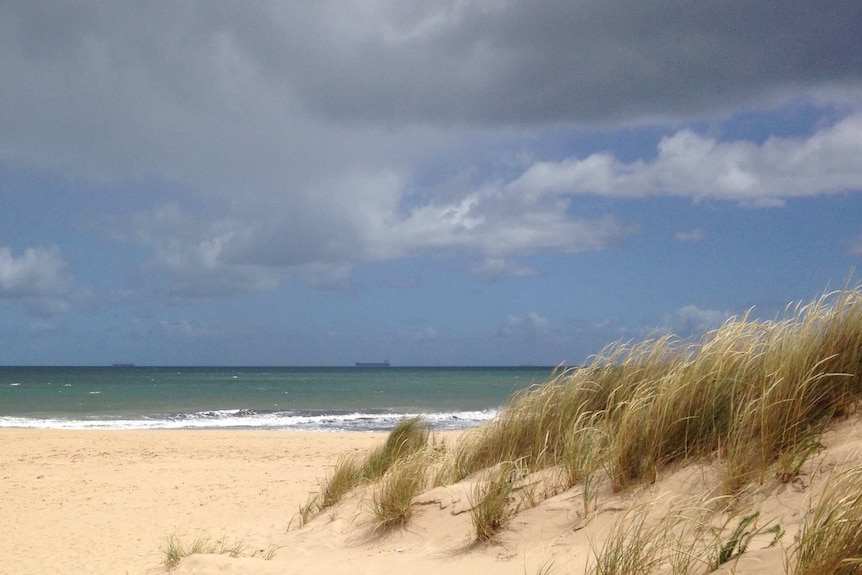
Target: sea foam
(250, 419)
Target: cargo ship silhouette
(373, 364)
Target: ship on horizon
(377, 364)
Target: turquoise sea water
(332, 398)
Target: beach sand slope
(104, 502)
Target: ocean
(289, 398)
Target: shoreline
(231, 430)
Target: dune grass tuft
(631, 548)
(831, 537)
(174, 550)
(409, 437)
(491, 501)
(345, 477)
(393, 494)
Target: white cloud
(489, 269)
(418, 334)
(495, 222)
(695, 235)
(39, 278)
(188, 330)
(691, 320)
(322, 243)
(43, 326)
(360, 216)
(528, 325)
(328, 276)
(701, 167)
(190, 253)
(37, 273)
(401, 283)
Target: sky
(429, 182)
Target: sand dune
(104, 502)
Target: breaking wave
(251, 419)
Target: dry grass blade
(633, 547)
(407, 437)
(345, 477)
(491, 506)
(393, 495)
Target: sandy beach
(103, 502)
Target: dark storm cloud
(492, 63)
(478, 63)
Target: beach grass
(491, 501)
(691, 537)
(751, 392)
(633, 547)
(345, 477)
(409, 437)
(752, 396)
(391, 500)
(174, 550)
(831, 537)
